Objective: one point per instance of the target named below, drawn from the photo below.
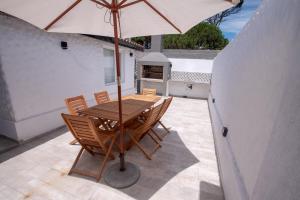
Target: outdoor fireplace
(154, 71)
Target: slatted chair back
(75, 104)
(149, 91)
(84, 130)
(151, 119)
(102, 97)
(92, 139)
(143, 129)
(164, 108)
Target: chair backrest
(83, 129)
(151, 119)
(75, 104)
(149, 91)
(164, 108)
(102, 97)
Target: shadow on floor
(209, 191)
(7, 144)
(23, 147)
(166, 163)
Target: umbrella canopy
(115, 18)
(137, 17)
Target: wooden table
(148, 98)
(132, 106)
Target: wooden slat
(102, 97)
(149, 91)
(75, 104)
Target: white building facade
(36, 75)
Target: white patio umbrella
(118, 19)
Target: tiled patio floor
(184, 168)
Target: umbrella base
(122, 179)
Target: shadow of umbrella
(173, 158)
(209, 191)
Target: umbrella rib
(121, 3)
(105, 2)
(106, 5)
(62, 14)
(160, 14)
(129, 4)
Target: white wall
(39, 75)
(180, 88)
(256, 87)
(191, 65)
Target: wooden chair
(138, 129)
(165, 107)
(148, 91)
(102, 97)
(92, 139)
(75, 104)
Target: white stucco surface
(189, 89)
(191, 65)
(256, 90)
(39, 75)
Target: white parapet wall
(190, 77)
(256, 89)
(36, 75)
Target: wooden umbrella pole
(117, 56)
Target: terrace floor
(184, 168)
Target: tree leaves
(202, 36)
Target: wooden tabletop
(132, 106)
(149, 98)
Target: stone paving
(184, 168)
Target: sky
(234, 23)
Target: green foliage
(144, 41)
(139, 40)
(202, 36)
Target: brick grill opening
(153, 72)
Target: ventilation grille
(191, 77)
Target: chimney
(156, 43)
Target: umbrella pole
(119, 175)
(117, 58)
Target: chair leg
(111, 155)
(88, 150)
(76, 160)
(104, 149)
(168, 131)
(164, 126)
(73, 142)
(154, 139)
(158, 145)
(140, 146)
(105, 159)
(155, 133)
